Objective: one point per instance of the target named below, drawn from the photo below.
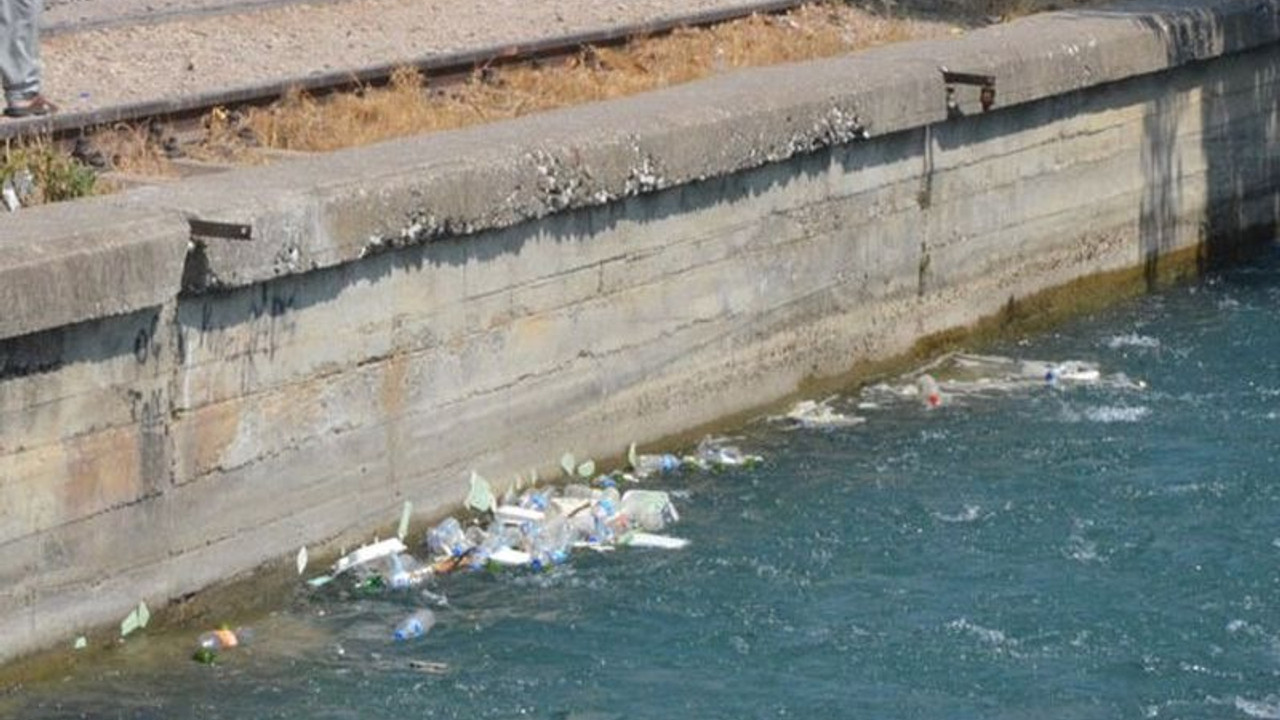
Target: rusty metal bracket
(985, 83)
(220, 230)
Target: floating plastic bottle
(447, 538)
(550, 544)
(415, 626)
(648, 465)
(930, 393)
(712, 454)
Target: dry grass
(134, 150)
(408, 105)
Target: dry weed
(408, 106)
(134, 150)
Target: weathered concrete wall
(490, 298)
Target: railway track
(186, 112)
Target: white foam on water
(1115, 414)
(1132, 340)
(1268, 708)
(990, 636)
(1107, 414)
(968, 515)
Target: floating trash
(644, 466)
(929, 391)
(815, 414)
(135, 620)
(534, 528)
(210, 643)
(956, 375)
(369, 553)
(405, 515)
(481, 497)
(714, 454)
(415, 626)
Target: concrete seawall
(198, 379)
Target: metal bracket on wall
(201, 229)
(986, 85)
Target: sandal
(33, 106)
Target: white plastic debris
(814, 414)
(405, 514)
(510, 557)
(649, 540)
(514, 515)
(302, 559)
(481, 496)
(135, 620)
(10, 195)
(369, 553)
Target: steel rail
(438, 66)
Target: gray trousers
(20, 48)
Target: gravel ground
(155, 58)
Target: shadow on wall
(1238, 117)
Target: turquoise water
(1077, 551)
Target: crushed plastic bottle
(649, 510)
(404, 571)
(448, 538)
(415, 626)
(712, 453)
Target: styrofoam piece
(511, 557)
(514, 515)
(650, 540)
(369, 553)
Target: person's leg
(20, 50)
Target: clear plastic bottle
(416, 625)
(550, 543)
(647, 465)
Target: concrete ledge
(63, 264)
(329, 210)
(337, 208)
